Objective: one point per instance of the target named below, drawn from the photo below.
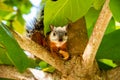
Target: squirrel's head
(58, 34)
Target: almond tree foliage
(59, 13)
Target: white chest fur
(59, 44)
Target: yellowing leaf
(5, 7)
(18, 27)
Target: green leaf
(104, 66)
(43, 64)
(49, 69)
(32, 63)
(11, 3)
(43, 1)
(25, 6)
(1, 62)
(110, 47)
(111, 26)
(3, 13)
(91, 18)
(20, 18)
(19, 23)
(60, 12)
(13, 50)
(98, 4)
(5, 7)
(20, 4)
(107, 62)
(4, 10)
(3, 57)
(46, 67)
(10, 16)
(5, 79)
(115, 9)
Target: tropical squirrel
(55, 41)
(58, 41)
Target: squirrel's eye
(66, 34)
(54, 34)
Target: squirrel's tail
(33, 26)
(35, 30)
(36, 24)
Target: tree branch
(97, 35)
(38, 51)
(11, 72)
(78, 38)
(113, 74)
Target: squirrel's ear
(51, 27)
(66, 26)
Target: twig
(97, 35)
(38, 51)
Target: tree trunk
(74, 70)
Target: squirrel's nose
(60, 39)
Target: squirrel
(55, 41)
(58, 41)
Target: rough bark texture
(78, 38)
(113, 74)
(38, 51)
(77, 41)
(80, 66)
(11, 72)
(76, 44)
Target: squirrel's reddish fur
(63, 48)
(51, 45)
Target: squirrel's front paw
(64, 54)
